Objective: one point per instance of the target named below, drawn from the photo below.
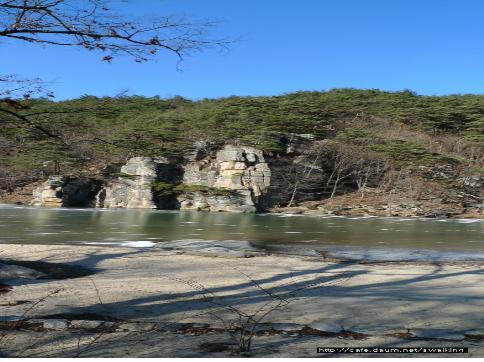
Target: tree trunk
(335, 186)
(293, 195)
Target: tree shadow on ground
(310, 290)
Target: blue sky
(429, 46)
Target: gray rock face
(56, 324)
(296, 144)
(240, 169)
(136, 326)
(232, 179)
(50, 193)
(85, 324)
(12, 272)
(59, 191)
(133, 188)
(213, 248)
(475, 181)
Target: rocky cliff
(243, 179)
(240, 169)
(132, 188)
(64, 191)
(232, 179)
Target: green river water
(353, 237)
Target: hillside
(335, 149)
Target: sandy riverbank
(154, 300)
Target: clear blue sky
(429, 46)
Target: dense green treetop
(108, 129)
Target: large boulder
(242, 170)
(64, 191)
(133, 186)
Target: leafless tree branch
(94, 25)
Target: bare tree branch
(93, 25)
